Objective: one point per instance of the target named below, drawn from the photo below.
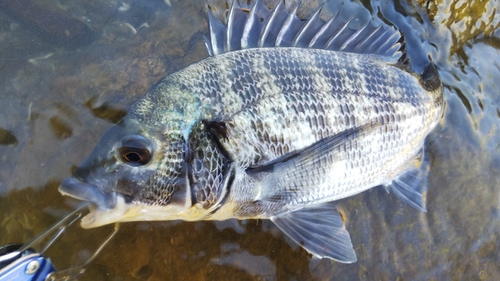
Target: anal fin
(320, 230)
(410, 186)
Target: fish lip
(88, 192)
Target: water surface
(63, 82)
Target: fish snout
(88, 192)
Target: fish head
(133, 174)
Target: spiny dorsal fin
(262, 27)
(404, 60)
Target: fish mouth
(107, 208)
(103, 205)
(114, 207)
(87, 192)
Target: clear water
(61, 86)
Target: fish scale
(338, 118)
(276, 132)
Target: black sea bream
(284, 117)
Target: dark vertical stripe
(244, 78)
(209, 85)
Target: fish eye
(135, 150)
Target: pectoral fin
(294, 176)
(314, 153)
(411, 185)
(320, 230)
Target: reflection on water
(57, 97)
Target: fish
(283, 118)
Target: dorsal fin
(261, 27)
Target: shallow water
(62, 86)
